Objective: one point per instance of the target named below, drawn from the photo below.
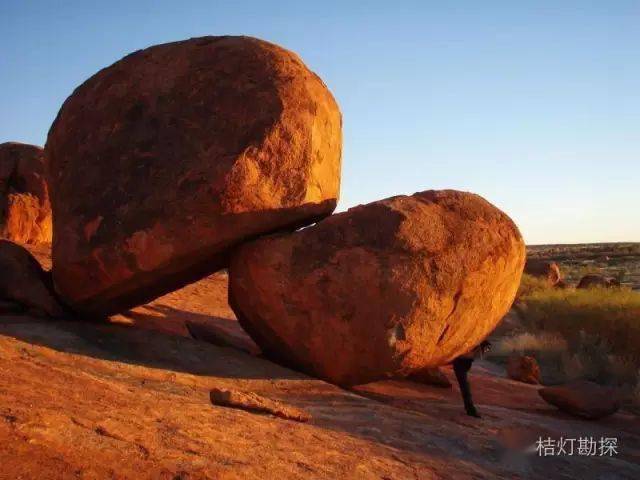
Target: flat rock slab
(252, 402)
(131, 402)
(87, 401)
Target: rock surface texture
(164, 161)
(91, 401)
(384, 289)
(25, 211)
(583, 399)
(24, 283)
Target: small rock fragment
(252, 402)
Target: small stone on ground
(252, 402)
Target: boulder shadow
(137, 340)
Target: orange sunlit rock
(384, 289)
(25, 212)
(162, 162)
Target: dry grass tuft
(590, 333)
(612, 315)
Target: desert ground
(130, 399)
(619, 260)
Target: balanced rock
(523, 368)
(594, 280)
(24, 283)
(25, 212)
(164, 161)
(583, 399)
(542, 268)
(384, 289)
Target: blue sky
(535, 104)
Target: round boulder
(544, 269)
(167, 159)
(382, 290)
(583, 399)
(594, 280)
(25, 212)
(523, 368)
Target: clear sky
(533, 104)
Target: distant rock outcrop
(167, 159)
(583, 399)
(383, 289)
(523, 368)
(545, 269)
(594, 280)
(25, 212)
(23, 282)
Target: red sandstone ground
(82, 400)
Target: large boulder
(25, 212)
(543, 269)
(384, 289)
(594, 280)
(23, 282)
(583, 399)
(164, 161)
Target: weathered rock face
(583, 399)
(162, 162)
(544, 269)
(523, 368)
(593, 280)
(24, 283)
(384, 289)
(25, 212)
